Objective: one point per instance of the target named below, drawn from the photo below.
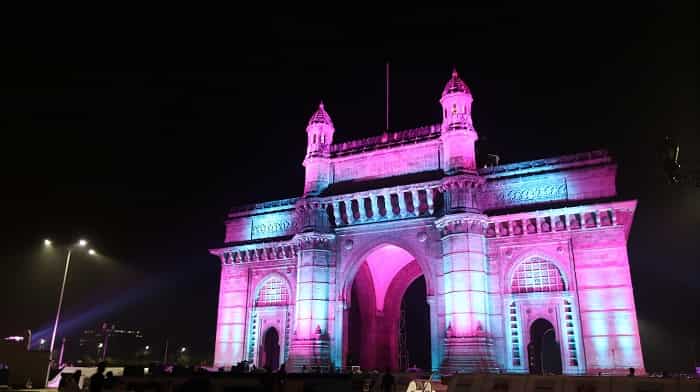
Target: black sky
(140, 132)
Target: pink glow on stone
(384, 263)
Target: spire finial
(454, 71)
(320, 105)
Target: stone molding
(465, 222)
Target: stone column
(429, 195)
(387, 205)
(311, 338)
(348, 211)
(232, 316)
(402, 204)
(468, 341)
(435, 357)
(416, 202)
(374, 201)
(336, 213)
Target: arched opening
(376, 337)
(270, 353)
(544, 356)
(415, 327)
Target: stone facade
(499, 247)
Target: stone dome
(455, 85)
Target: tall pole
(58, 315)
(165, 355)
(60, 354)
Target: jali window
(537, 275)
(273, 292)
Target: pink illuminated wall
(384, 263)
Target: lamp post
(542, 349)
(47, 243)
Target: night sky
(140, 133)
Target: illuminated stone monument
(512, 255)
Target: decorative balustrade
(386, 140)
(383, 204)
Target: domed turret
(319, 134)
(455, 85)
(458, 134)
(321, 116)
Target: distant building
(110, 341)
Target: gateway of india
(513, 256)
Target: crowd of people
(98, 382)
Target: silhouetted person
(387, 381)
(631, 372)
(68, 383)
(77, 376)
(110, 381)
(282, 376)
(97, 381)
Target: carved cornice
(460, 182)
(259, 252)
(462, 223)
(321, 241)
(274, 251)
(311, 215)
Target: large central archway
(374, 297)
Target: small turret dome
(455, 85)
(321, 116)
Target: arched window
(314, 139)
(273, 292)
(537, 275)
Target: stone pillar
(435, 357)
(402, 204)
(311, 338)
(374, 201)
(468, 342)
(429, 195)
(232, 316)
(348, 211)
(336, 213)
(387, 205)
(416, 202)
(607, 312)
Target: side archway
(269, 333)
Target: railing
(387, 139)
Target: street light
(542, 349)
(47, 242)
(182, 350)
